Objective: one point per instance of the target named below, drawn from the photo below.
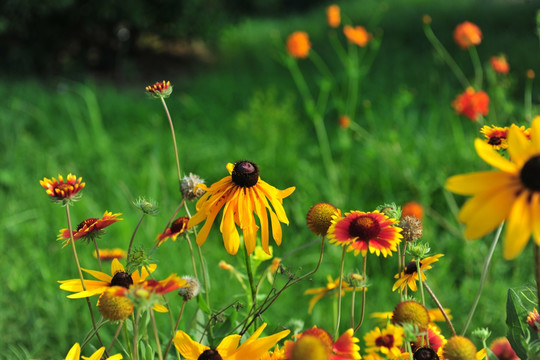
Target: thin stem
(446, 317)
(483, 277)
(97, 254)
(528, 99)
(174, 140)
(156, 335)
(336, 332)
(175, 329)
(133, 236)
(445, 55)
(353, 297)
(126, 341)
(76, 257)
(252, 286)
(419, 272)
(364, 289)
(478, 72)
(537, 271)
(136, 335)
(116, 335)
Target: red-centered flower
(333, 15)
(387, 341)
(178, 227)
(467, 34)
(357, 35)
(171, 283)
(533, 319)
(316, 343)
(363, 231)
(472, 103)
(499, 64)
(160, 89)
(502, 349)
(89, 229)
(63, 191)
(298, 44)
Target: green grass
(246, 106)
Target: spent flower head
(412, 228)
(160, 89)
(319, 217)
(189, 189)
(190, 289)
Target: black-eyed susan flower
(75, 354)
(118, 277)
(110, 254)
(89, 229)
(317, 344)
(363, 231)
(511, 193)
(253, 348)
(178, 227)
(387, 341)
(63, 191)
(459, 348)
(409, 276)
(160, 89)
(241, 195)
(331, 288)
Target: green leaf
(516, 321)
(203, 306)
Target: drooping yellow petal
(518, 229)
(260, 210)
(99, 275)
(88, 293)
(159, 308)
(74, 353)
(470, 184)
(74, 285)
(485, 211)
(228, 345)
(256, 349)
(189, 349)
(276, 227)
(314, 300)
(205, 230)
(492, 157)
(519, 147)
(535, 216)
(535, 134)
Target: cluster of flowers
(248, 204)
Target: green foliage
(519, 304)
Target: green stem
(252, 286)
(419, 272)
(446, 56)
(97, 254)
(126, 341)
(537, 271)
(336, 332)
(76, 257)
(483, 277)
(156, 335)
(174, 141)
(478, 72)
(133, 236)
(136, 335)
(116, 335)
(528, 98)
(446, 317)
(175, 329)
(364, 289)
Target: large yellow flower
(75, 354)
(511, 193)
(240, 195)
(118, 277)
(228, 349)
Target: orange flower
(333, 15)
(357, 35)
(499, 64)
(110, 254)
(472, 103)
(298, 44)
(412, 208)
(467, 34)
(344, 121)
(89, 229)
(160, 89)
(178, 227)
(61, 191)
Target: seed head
(319, 217)
(113, 306)
(411, 312)
(412, 228)
(459, 348)
(190, 290)
(188, 187)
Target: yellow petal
(74, 353)
(228, 345)
(276, 227)
(535, 134)
(99, 275)
(205, 230)
(160, 308)
(535, 216)
(116, 267)
(260, 210)
(519, 147)
(486, 211)
(257, 348)
(75, 285)
(492, 157)
(518, 229)
(143, 273)
(188, 348)
(88, 293)
(313, 301)
(97, 355)
(470, 184)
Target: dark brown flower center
(425, 354)
(210, 354)
(179, 224)
(245, 174)
(385, 340)
(86, 222)
(123, 279)
(364, 228)
(411, 268)
(495, 140)
(530, 173)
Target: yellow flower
(511, 193)
(240, 195)
(410, 274)
(228, 349)
(118, 277)
(386, 341)
(75, 354)
(331, 287)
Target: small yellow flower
(409, 276)
(331, 288)
(386, 341)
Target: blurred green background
(73, 100)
